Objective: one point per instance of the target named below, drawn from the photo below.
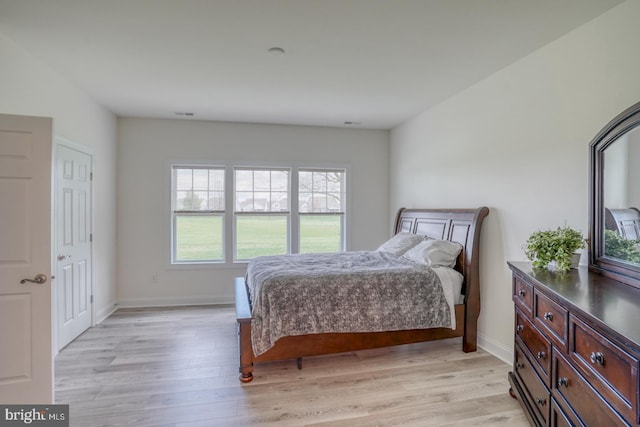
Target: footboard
(328, 343)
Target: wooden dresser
(577, 347)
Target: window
(321, 197)
(198, 206)
(261, 212)
(229, 213)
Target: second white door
(73, 243)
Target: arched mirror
(615, 198)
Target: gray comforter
(341, 292)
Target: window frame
(178, 213)
(238, 214)
(229, 231)
(342, 212)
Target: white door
(73, 242)
(26, 363)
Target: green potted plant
(617, 246)
(559, 246)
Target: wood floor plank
(178, 367)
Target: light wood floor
(179, 367)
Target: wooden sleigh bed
(458, 225)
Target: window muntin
(321, 191)
(261, 190)
(321, 200)
(198, 209)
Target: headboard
(625, 221)
(456, 225)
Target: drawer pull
(522, 293)
(519, 365)
(540, 401)
(597, 358)
(519, 328)
(542, 355)
(563, 382)
(548, 316)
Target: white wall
(147, 146)
(30, 87)
(518, 143)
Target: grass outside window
(320, 233)
(199, 238)
(261, 235)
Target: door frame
(61, 141)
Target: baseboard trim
(174, 301)
(105, 312)
(495, 348)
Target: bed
(462, 226)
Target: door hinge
(91, 237)
(91, 299)
(90, 176)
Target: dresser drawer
(561, 417)
(538, 394)
(523, 294)
(538, 347)
(588, 405)
(611, 370)
(551, 319)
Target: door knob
(61, 257)
(39, 279)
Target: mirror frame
(598, 262)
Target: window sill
(209, 266)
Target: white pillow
(435, 253)
(401, 243)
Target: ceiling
(358, 63)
